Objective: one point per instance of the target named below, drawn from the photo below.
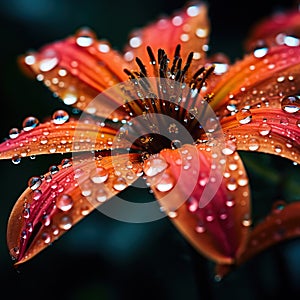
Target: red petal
(259, 81)
(189, 28)
(282, 224)
(208, 205)
(270, 130)
(77, 69)
(274, 29)
(73, 136)
(56, 202)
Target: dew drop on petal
(65, 222)
(29, 123)
(60, 117)
(34, 182)
(253, 144)
(264, 129)
(278, 206)
(246, 221)
(48, 64)
(16, 159)
(99, 175)
(244, 116)
(175, 144)
(85, 37)
(166, 183)
(154, 165)
(260, 52)
(53, 169)
(64, 202)
(119, 184)
(14, 133)
(101, 195)
(230, 147)
(290, 104)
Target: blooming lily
(133, 133)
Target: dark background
(101, 258)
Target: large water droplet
(85, 37)
(175, 144)
(166, 183)
(65, 222)
(154, 165)
(29, 123)
(64, 202)
(101, 195)
(60, 117)
(244, 116)
(34, 182)
(291, 104)
(99, 175)
(230, 147)
(47, 64)
(264, 129)
(119, 184)
(14, 133)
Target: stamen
(142, 67)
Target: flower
(165, 112)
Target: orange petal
(280, 225)
(77, 69)
(72, 136)
(55, 202)
(190, 28)
(283, 27)
(207, 199)
(259, 80)
(266, 130)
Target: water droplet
(192, 204)
(64, 202)
(99, 175)
(230, 147)
(200, 228)
(36, 195)
(278, 206)
(172, 214)
(264, 129)
(85, 37)
(231, 184)
(154, 165)
(166, 183)
(211, 125)
(66, 162)
(26, 213)
(230, 202)
(119, 184)
(101, 195)
(34, 182)
(46, 220)
(135, 42)
(60, 117)
(244, 116)
(46, 237)
(291, 104)
(175, 144)
(253, 144)
(53, 170)
(14, 133)
(47, 64)
(29, 123)
(70, 98)
(16, 159)
(65, 222)
(246, 221)
(260, 52)
(278, 149)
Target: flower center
(168, 108)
